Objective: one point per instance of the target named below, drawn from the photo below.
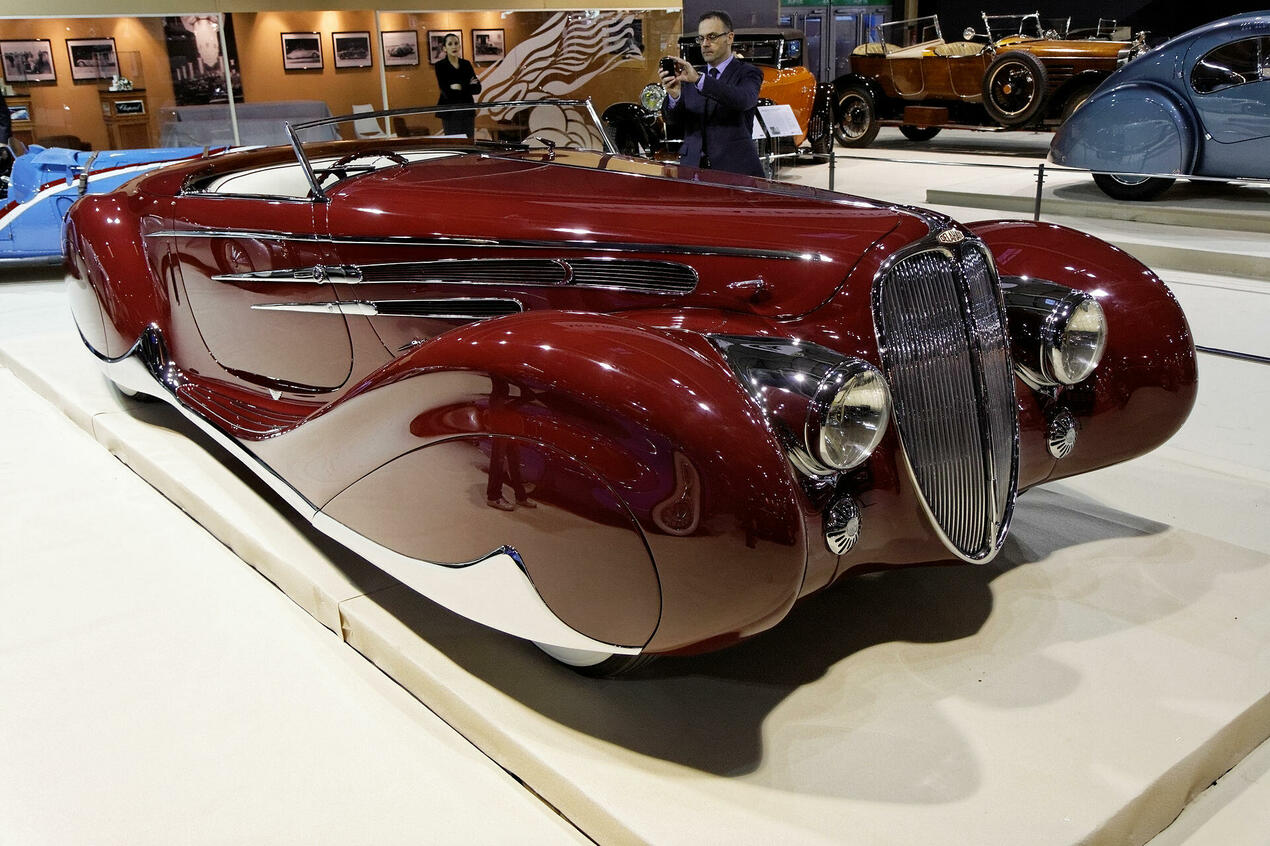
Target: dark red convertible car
(617, 407)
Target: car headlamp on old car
(652, 97)
(1058, 333)
(847, 418)
(829, 410)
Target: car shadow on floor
(831, 673)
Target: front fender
(1138, 127)
(1143, 390)
(654, 417)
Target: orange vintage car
(909, 76)
(638, 128)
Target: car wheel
(919, 133)
(604, 665)
(1121, 186)
(1075, 101)
(1014, 88)
(856, 124)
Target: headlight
(1074, 341)
(848, 416)
(1057, 334)
(652, 96)
(829, 411)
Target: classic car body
(617, 407)
(45, 181)
(1197, 105)
(909, 76)
(639, 129)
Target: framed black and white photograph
(351, 49)
(195, 62)
(401, 48)
(28, 61)
(92, 58)
(302, 50)
(436, 43)
(487, 45)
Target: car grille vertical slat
(945, 352)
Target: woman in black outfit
(458, 82)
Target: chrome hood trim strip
(502, 243)
(650, 276)
(461, 308)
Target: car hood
(799, 242)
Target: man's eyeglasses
(710, 36)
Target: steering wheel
(395, 158)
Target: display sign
(130, 107)
(779, 120)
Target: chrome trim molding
(459, 308)
(503, 243)
(651, 276)
(940, 323)
(494, 590)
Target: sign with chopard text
(130, 107)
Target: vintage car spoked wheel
(857, 121)
(1014, 88)
(1125, 187)
(919, 133)
(595, 664)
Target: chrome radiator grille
(945, 353)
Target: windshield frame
(319, 195)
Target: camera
(668, 66)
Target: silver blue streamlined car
(1196, 105)
(43, 182)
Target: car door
(256, 269)
(1229, 86)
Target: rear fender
(1143, 390)
(1138, 127)
(114, 297)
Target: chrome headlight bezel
(847, 417)
(652, 96)
(830, 411)
(1057, 334)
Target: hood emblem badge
(950, 236)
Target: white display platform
(1104, 670)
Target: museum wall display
(337, 58)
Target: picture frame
(92, 58)
(488, 45)
(351, 49)
(400, 48)
(302, 51)
(436, 43)
(30, 60)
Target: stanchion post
(1040, 182)
(833, 157)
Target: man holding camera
(713, 112)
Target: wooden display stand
(23, 130)
(127, 117)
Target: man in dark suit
(714, 111)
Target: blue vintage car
(44, 182)
(1196, 105)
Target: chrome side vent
(945, 352)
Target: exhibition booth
(190, 658)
